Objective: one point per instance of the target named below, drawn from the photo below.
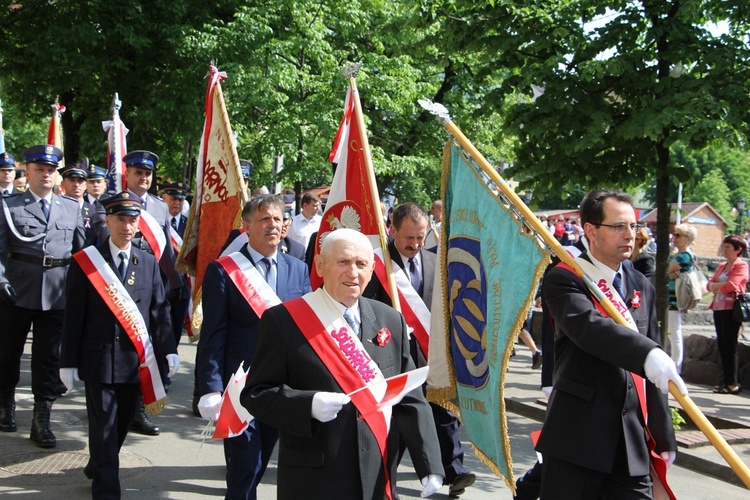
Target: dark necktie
(349, 317)
(617, 283)
(416, 282)
(45, 208)
(174, 223)
(123, 264)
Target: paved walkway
(177, 465)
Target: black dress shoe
(459, 485)
(41, 433)
(8, 418)
(142, 424)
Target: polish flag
(395, 388)
(233, 417)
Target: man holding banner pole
(315, 356)
(237, 289)
(117, 338)
(595, 440)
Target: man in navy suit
(39, 231)
(229, 334)
(96, 348)
(594, 434)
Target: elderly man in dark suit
(229, 334)
(97, 348)
(39, 231)
(594, 436)
(408, 253)
(331, 447)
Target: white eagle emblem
(349, 219)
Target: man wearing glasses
(286, 244)
(594, 437)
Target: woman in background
(682, 262)
(729, 280)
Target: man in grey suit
(39, 231)
(329, 446)
(594, 438)
(141, 167)
(407, 252)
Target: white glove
(660, 369)
(173, 361)
(668, 457)
(69, 377)
(430, 485)
(209, 405)
(326, 405)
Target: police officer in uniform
(7, 175)
(39, 231)
(96, 183)
(74, 184)
(174, 194)
(141, 166)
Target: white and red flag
(233, 417)
(116, 149)
(353, 201)
(219, 194)
(395, 388)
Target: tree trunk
(662, 251)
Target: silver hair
(344, 234)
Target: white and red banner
(219, 193)
(121, 304)
(233, 417)
(117, 148)
(351, 203)
(393, 389)
(153, 233)
(251, 285)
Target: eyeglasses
(622, 227)
(677, 235)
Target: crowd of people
(94, 274)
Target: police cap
(7, 162)
(73, 171)
(95, 172)
(46, 154)
(124, 203)
(177, 190)
(141, 159)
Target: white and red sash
(662, 491)
(175, 239)
(153, 233)
(415, 312)
(236, 244)
(345, 357)
(116, 297)
(249, 282)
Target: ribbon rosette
(384, 336)
(636, 300)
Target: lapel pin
(134, 259)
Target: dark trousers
(528, 487)
(111, 409)
(451, 451)
(563, 480)
(248, 456)
(45, 349)
(178, 311)
(727, 330)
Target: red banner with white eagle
(219, 197)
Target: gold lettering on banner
(472, 404)
(466, 215)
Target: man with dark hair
(415, 267)
(307, 222)
(39, 231)
(237, 288)
(594, 439)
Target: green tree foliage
(713, 189)
(617, 84)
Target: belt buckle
(47, 261)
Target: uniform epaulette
(68, 198)
(157, 198)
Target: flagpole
(374, 195)
(685, 401)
